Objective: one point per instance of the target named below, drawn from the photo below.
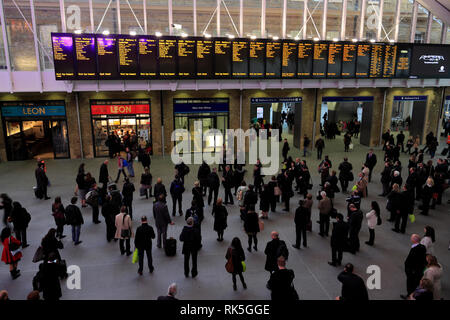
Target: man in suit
(371, 161)
(386, 178)
(213, 184)
(338, 240)
(285, 149)
(191, 239)
(171, 293)
(143, 243)
(345, 173)
(355, 221)
(41, 179)
(162, 220)
(414, 265)
(353, 286)
(301, 222)
(275, 249)
(281, 283)
(104, 175)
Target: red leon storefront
(120, 116)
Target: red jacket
(6, 254)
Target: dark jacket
(49, 245)
(281, 285)
(416, 261)
(251, 222)
(345, 169)
(250, 198)
(127, 191)
(146, 179)
(274, 249)
(197, 195)
(104, 175)
(355, 222)
(143, 237)
(213, 180)
(353, 287)
(386, 174)
(203, 171)
(81, 181)
(228, 181)
(20, 218)
(220, 214)
(237, 256)
(339, 235)
(301, 217)
(73, 215)
(50, 282)
(161, 214)
(191, 239)
(158, 190)
(176, 188)
(371, 161)
(41, 178)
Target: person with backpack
(127, 193)
(176, 191)
(124, 231)
(373, 219)
(75, 219)
(20, 218)
(11, 253)
(275, 249)
(182, 170)
(130, 159)
(121, 164)
(235, 257)
(93, 199)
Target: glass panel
(182, 17)
(157, 16)
(274, 17)
(17, 149)
(110, 18)
(294, 18)
(436, 31)
(48, 19)
(314, 24)
(2, 52)
(421, 28)
(387, 28)
(100, 128)
(77, 15)
(371, 19)
(181, 122)
(20, 37)
(206, 11)
(404, 30)
(353, 18)
(226, 26)
(195, 147)
(222, 125)
(144, 133)
(334, 18)
(208, 145)
(132, 20)
(60, 139)
(252, 18)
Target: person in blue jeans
(130, 159)
(75, 219)
(121, 163)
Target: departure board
(289, 59)
(85, 57)
(376, 61)
(305, 59)
(167, 57)
(320, 58)
(222, 58)
(186, 58)
(363, 61)
(390, 57)
(257, 53)
(107, 57)
(205, 59)
(403, 60)
(349, 51)
(334, 60)
(63, 56)
(128, 56)
(148, 57)
(240, 58)
(273, 59)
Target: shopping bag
(261, 225)
(135, 256)
(351, 146)
(354, 187)
(244, 266)
(412, 218)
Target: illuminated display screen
(273, 59)
(128, 56)
(167, 57)
(305, 59)
(107, 57)
(85, 57)
(63, 56)
(205, 59)
(186, 58)
(148, 57)
(320, 58)
(257, 54)
(240, 58)
(349, 52)
(363, 61)
(222, 58)
(289, 59)
(334, 60)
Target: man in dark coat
(355, 221)
(345, 174)
(386, 178)
(285, 149)
(406, 208)
(75, 219)
(320, 145)
(127, 193)
(182, 170)
(338, 240)
(213, 184)
(250, 197)
(281, 283)
(190, 237)
(301, 221)
(353, 286)
(414, 265)
(109, 212)
(143, 242)
(162, 220)
(104, 175)
(275, 249)
(176, 191)
(401, 140)
(49, 281)
(41, 179)
(203, 171)
(228, 182)
(371, 161)
(159, 189)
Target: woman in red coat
(7, 256)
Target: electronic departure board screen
(127, 48)
(257, 54)
(167, 57)
(273, 59)
(305, 59)
(363, 61)
(403, 60)
(148, 57)
(186, 58)
(205, 59)
(85, 57)
(63, 56)
(430, 61)
(320, 58)
(334, 60)
(107, 57)
(349, 52)
(289, 59)
(222, 58)
(240, 58)
(390, 57)
(376, 61)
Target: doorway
(408, 115)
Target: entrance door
(207, 123)
(60, 138)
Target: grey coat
(161, 215)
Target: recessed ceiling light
(132, 33)
(158, 34)
(230, 36)
(335, 39)
(316, 39)
(184, 35)
(275, 38)
(354, 40)
(78, 31)
(106, 32)
(372, 40)
(253, 37)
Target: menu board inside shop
(205, 59)
(85, 57)
(128, 56)
(273, 59)
(363, 61)
(222, 58)
(403, 61)
(257, 52)
(390, 57)
(376, 60)
(305, 59)
(107, 57)
(289, 59)
(334, 60)
(349, 52)
(186, 58)
(320, 58)
(167, 57)
(240, 58)
(63, 57)
(148, 57)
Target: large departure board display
(145, 57)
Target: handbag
(412, 218)
(350, 146)
(244, 266)
(14, 248)
(38, 255)
(135, 256)
(261, 225)
(229, 265)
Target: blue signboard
(410, 98)
(276, 100)
(33, 111)
(200, 106)
(447, 98)
(345, 99)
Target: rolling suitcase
(38, 193)
(171, 247)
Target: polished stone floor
(105, 274)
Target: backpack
(178, 187)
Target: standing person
(228, 182)
(20, 219)
(275, 191)
(251, 228)
(347, 141)
(213, 184)
(433, 272)
(110, 143)
(130, 159)
(197, 196)
(162, 220)
(127, 193)
(285, 149)
(75, 219)
(145, 158)
(220, 214)
(240, 196)
(320, 145)
(176, 191)
(345, 174)
(428, 239)
(143, 243)
(104, 176)
(41, 180)
(338, 240)
(355, 222)
(11, 253)
(203, 172)
(121, 164)
(182, 170)
(82, 185)
(386, 178)
(427, 192)
(59, 216)
(371, 161)
(257, 176)
(301, 221)
(414, 265)
(190, 237)
(51, 271)
(237, 256)
(6, 205)
(373, 216)
(264, 202)
(306, 143)
(394, 202)
(109, 212)
(406, 208)
(401, 140)
(275, 249)
(286, 190)
(324, 207)
(281, 283)
(124, 231)
(353, 286)
(197, 214)
(159, 189)
(93, 199)
(146, 182)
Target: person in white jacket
(372, 220)
(428, 239)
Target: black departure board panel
(363, 61)
(145, 57)
(256, 63)
(148, 57)
(320, 58)
(305, 60)
(289, 59)
(273, 59)
(63, 57)
(127, 49)
(334, 60)
(240, 58)
(186, 58)
(222, 58)
(349, 52)
(205, 59)
(167, 57)
(85, 57)
(107, 57)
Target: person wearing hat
(143, 243)
(190, 237)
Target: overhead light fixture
(230, 36)
(335, 39)
(105, 32)
(316, 39)
(177, 26)
(253, 37)
(207, 35)
(296, 38)
(354, 40)
(184, 35)
(78, 31)
(158, 34)
(372, 40)
(391, 40)
(132, 33)
(275, 38)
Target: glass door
(60, 138)
(101, 132)
(15, 143)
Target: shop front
(120, 117)
(35, 130)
